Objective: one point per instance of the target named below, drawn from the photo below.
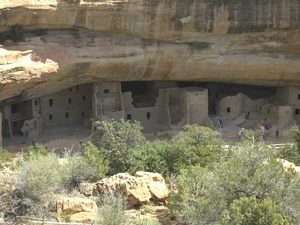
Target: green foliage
(146, 222)
(250, 170)
(195, 145)
(121, 144)
(5, 157)
(38, 177)
(89, 167)
(111, 209)
(36, 151)
(14, 33)
(249, 211)
(72, 1)
(291, 151)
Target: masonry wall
(230, 106)
(197, 99)
(1, 129)
(177, 104)
(69, 105)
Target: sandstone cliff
(230, 41)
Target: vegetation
(72, 1)
(14, 33)
(5, 157)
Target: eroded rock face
(143, 188)
(247, 42)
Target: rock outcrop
(248, 42)
(143, 188)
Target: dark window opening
(148, 115)
(297, 111)
(50, 117)
(70, 100)
(129, 116)
(15, 123)
(83, 97)
(106, 91)
(50, 102)
(228, 109)
(82, 113)
(70, 89)
(268, 110)
(77, 87)
(298, 96)
(36, 102)
(14, 108)
(67, 115)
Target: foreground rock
(142, 188)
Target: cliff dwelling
(161, 107)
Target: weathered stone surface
(79, 209)
(225, 41)
(143, 188)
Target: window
(70, 100)
(228, 109)
(70, 89)
(36, 102)
(297, 111)
(14, 108)
(50, 102)
(67, 115)
(15, 123)
(50, 117)
(106, 91)
(269, 111)
(148, 115)
(83, 97)
(77, 87)
(82, 113)
(129, 116)
(298, 96)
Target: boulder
(77, 209)
(142, 188)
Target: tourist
(265, 123)
(241, 132)
(267, 129)
(221, 119)
(277, 133)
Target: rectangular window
(50, 117)
(36, 102)
(129, 116)
(50, 102)
(298, 96)
(82, 113)
(70, 89)
(77, 87)
(83, 97)
(15, 123)
(297, 111)
(228, 109)
(70, 101)
(269, 111)
(67, 115)
(14, 108)
(148, 115)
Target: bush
(39, 177)
(250, 170)
(89, 167)
(14, 33)
(111, 209)
(122, 144)
(249, 211)
(36, 151)
(5, 157)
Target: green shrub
(91, 166)
(14, 33)
(39, 177)
(252, 169)
(146, 222)
(5, 157)
(72, 1)
(122, 144)
(111, 209)
(36, 151)
(249, 211)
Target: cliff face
(230, 41)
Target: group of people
(267, 128)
